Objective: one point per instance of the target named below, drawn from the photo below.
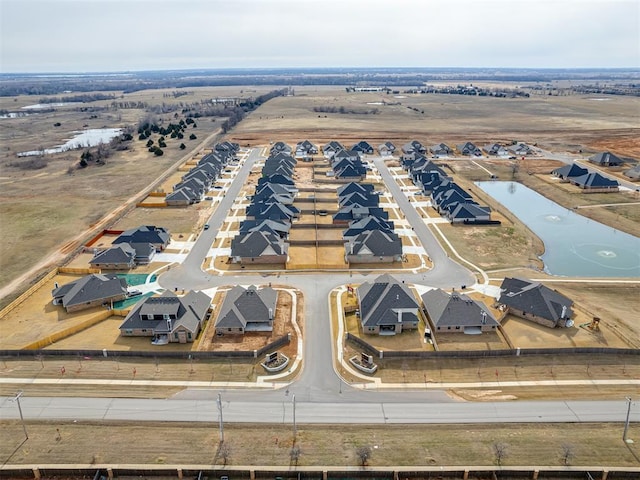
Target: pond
(574, 245)
(83, 139)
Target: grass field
(431, 445)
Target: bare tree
(500, 451)
(224, 453)
(363, 453)
(568, 453)
(295, 454)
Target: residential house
(365, 200)
(168, 318)
(387, 307)
(330, 149)
(440, 150)
(247, 310)
(633, 173)
(520, 150)
(363, 147)
(355, 211)
(469, 149)
(373, 246)
(182, 197)
(356, 227)
(307, 147)
(606, 159)
(457, 312)
(90, 291)
(157, 236)
(386, 149)
(276, 178)
(469, 212)
(496, 149)
(567, 172)
(352, 187)
(350, 172)
(119, 257)
(414, 146)
(259, 247)
(595, 183)
(535, 302)
(280, 147)
(279, 227)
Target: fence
(283, 340)
(67, 332)
(28, 292)
(78, 271)
(490, 353)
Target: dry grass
(321, 445)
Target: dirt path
(71, 245)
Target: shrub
(192, 136)
(158, 152)
(182, 146)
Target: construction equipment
(594, 325)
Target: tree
(363, 453)
(149, 142)
(500, 452)
(182, 146)
(158, 152)
(568, 453)
(295, 454)
(195, 125)
(224, 452)
(192, 136)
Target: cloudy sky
(117, 35)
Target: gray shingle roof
(255, 244)
(121, 253)
(456, 309)
(535, 298)
(606, 158)
(386, 302)
(244, 306)
(90, 288)
(379, 243)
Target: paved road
(45, 408)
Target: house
(363, 147)
(259, 247)
(272, 211)
(633, 173)
(595, 183)
(457, 312)
(365, 200)
(277, 178)
(387, 148)
(569, 171)
(283, 194)
(535, 302)
(387, 307)
(355, 211)
(330, 149)
(351, 187)
(373, 246)
(168, 318)
(520, 149)
(440, 149)
(280, 147)
(196, 186)
(469, 149)
(279, 227)
(307, 147)
(365, 224)
(469, 213)
(182, 197)
(247, 310)
(430, 181)
(349, 155)
(606, 159)
(90, 291)
(414, 146)
(119, 257)
(350, 172)
(496, 149)
(157, 236)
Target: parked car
(206, 226)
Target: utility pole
(295, 430)
(219, 402)
(24, 427)
(626, 423)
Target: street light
(626, 423)
(17, 400)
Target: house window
(229, 329)
(458, 327)
(188, 335)
(448, 328)
(144, 330)
(128, 332)
(175, 335)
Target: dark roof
(144, 234)
(535, 298)
(188, 311)
(255, 244)
(376, 243)
(121, 253)
(274, 226)
(385, 301)
(90, 288)
(594, 180)
(572, 170)
(606, 158)
(456, 309)
(469, 211)
(242, 306)
(354, 187)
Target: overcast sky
(117, 35)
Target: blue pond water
(574, 245)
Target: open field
(179, 443)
